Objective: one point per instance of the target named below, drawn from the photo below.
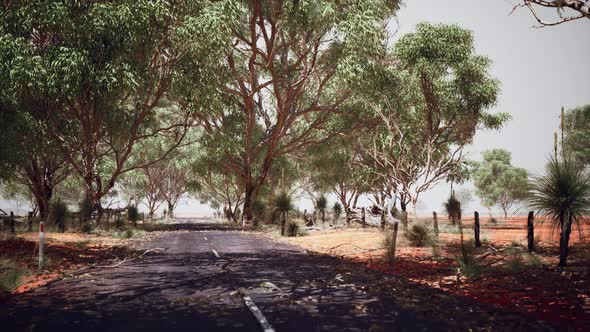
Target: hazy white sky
(540, 70)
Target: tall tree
(577, 134)
(108, 68)
(285, 61)
(498, 182)
(430, 98)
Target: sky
(541, 70)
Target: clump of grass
(87, 228)
(11, 275)
(418, 235)
(128, 233)
(293, 229)
(468, 265)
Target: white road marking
(258, 314)
(204, 237)
(215, 253)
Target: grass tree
(337, 209)
(563, 195)
(283, 204)
(322, 205)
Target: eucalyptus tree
(577, 134)
(498, 182)
(430, 98)
(109, 70)
(291, 67)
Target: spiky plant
(563, 196)
(453, 208)
(58, 212)
(85, 209)
(133, 214)
(419, 235)
(337, 210)
(322, 205)
(284, 204)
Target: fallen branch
(350, 244)
(125, 260)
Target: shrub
(133, 214)
(453, 208)
(494, 221)
(87, 228)
(337, 210)
(258, 210)
(293, 229)
(418, 235)
(468, 265)
(58, 212)
(85, 209)
(11, 275)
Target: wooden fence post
(531, 231)
(363, 216)
(435, 221)
(476, 230)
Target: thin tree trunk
(476, 230)
(394, 240)
(564, 241)
(435, 222)
(363, 217)
(531, 231)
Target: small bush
(337, 210)
(418, 235)
(468, 265)
(87, 228)
(494, 221)
(128, 233)
(293, 229)
(133, 214)
(85, 209)
(11, 275)
(58, 212)
(119, 223)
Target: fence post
(531, 231)
(41, 243)
(476, 230)
(435, 221)
(383, 220)
(363, 216)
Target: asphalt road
(187, 287)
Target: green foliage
(87, 228)
(322, 203)
(58, 212)
(498, 182)
(283, 202)
(418, 235)
(293, 229)
(468, 265)
(132, 213)
(259, 210)
(577, 134)
(11, 274)
(337, 209)
(564, 190)
(85, 209)
(452, 207)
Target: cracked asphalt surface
(185, 287)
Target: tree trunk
(394, 240)
(247, 214)
(476, 230)
(564, 241)
(505, 213)
(531, 231)
(435, 222)
(283, 222)
(404, 216)
(170, 211)
(356, 198)
(383, 220)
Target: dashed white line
(258, 314)
(204, 237)
(215, 253)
